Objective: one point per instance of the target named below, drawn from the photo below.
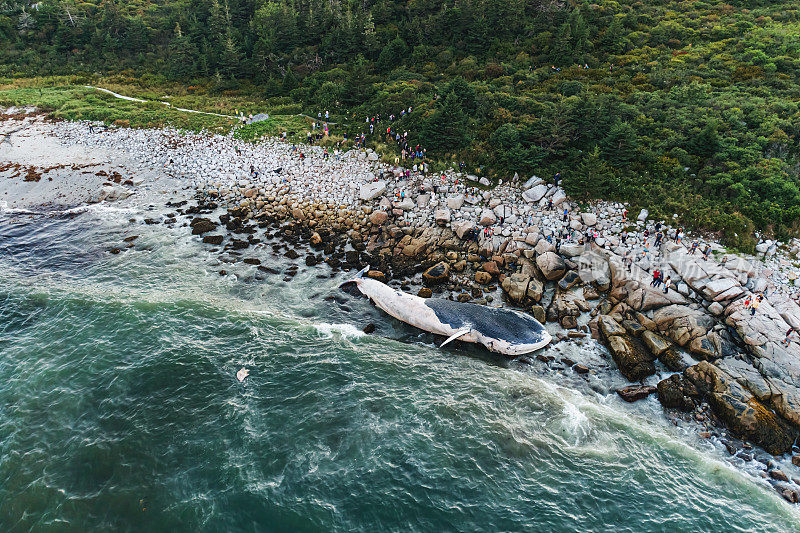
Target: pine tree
(446, 130)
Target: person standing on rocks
(756, 303)
(566, 214)
(789, 334)
(706, 252)
(666, 285)
(656, 275)
(557, 179)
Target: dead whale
(500, 330)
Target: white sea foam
(348, 331)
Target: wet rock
(633, 327)
(369, 328)
(425, 292)
(635, 392)
(569, 322)
(437, 274)
(741, 410)
(202, 225)
(580, 368)
(672, 359)
(292, 254)
(676, 392)
(115, 251)
(377, 275)
(239, 245)
(778, 475)
(609, 327)
(311, 260)
(251, 261)
(631, 358)
(569, 280)
(482, 277)
(216, 240)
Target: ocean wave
(348, 331)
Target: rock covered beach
(429, 234)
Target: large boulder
(371, 190)
(441, 216)
(558, 197)
(676, 392)
(516, 287)
(533, 181)
(202, 225)
(378, 217)
(609, 327)
(487, 218)
(681, 323)
(455, 202)
(535, 193)
(437, 274)
(535, 290)
(655, 343)
(590, 219)
(461, 227)
(741, 410)
(551, 265)
(643, 214)
(631, 358)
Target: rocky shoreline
(454, 237)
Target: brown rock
(551, 265)
(438, 273)
(425, 292)
(569, 322)
(581, 369)
(538, 313)
(674, 393)
(635, 392)
(778, 475)
(740, 410)
(632, 360)
(482, 277)
(213, 239)
(378, 217)
(202, 225)
(609, 327)
(491, 267)
(377, 275)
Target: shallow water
(119, 408)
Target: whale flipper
(460, 333)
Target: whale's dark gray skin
(500, 330)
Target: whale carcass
(500, 330)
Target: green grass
(295, 127)
(71, 102)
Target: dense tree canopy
(687, 106)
